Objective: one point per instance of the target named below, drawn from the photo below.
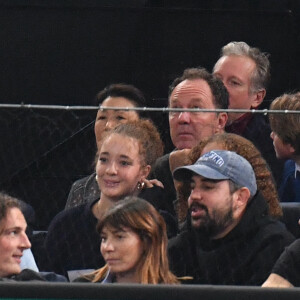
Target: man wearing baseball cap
(229, 238)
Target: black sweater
(288, 265)
(72, 242)
(245, 256)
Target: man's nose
(272, 135)
(25, 243)
(195, 195)
(110, 124)
(184, 117)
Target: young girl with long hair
(126, 154)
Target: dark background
(63, 52)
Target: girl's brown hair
(147, 135)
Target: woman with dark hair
(125, 157)
(114, 95)
(133, 244)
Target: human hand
(149, 183)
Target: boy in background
(286, 140)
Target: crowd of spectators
(206, 213)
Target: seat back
(291, 216)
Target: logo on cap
(212, 156)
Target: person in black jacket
(196, 88)
(245, 72)
(229, 238)
(286, 272)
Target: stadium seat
(291, 216)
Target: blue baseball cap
(221, 165)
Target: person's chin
(197, 222)
(14, 269)
(113, 194)
(186, 144)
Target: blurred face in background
(109, 119)
(282, 150)
(13, 241)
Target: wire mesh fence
(44, 149)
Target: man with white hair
(245, 72)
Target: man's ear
(240, 198)
(222, 119)
(291, 149)
(258, 98)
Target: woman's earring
(96, 177)
(140, 185)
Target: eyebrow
(118, 231)
(122, 155)
(230, 77)
(18, 228)
(235, 77)
(125, 156)
(104, 110)
(103, 153)
(112, 230)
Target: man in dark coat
(196, 88)
(229, 239)
(286, 272)
(245, 72)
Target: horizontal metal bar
(147, 109)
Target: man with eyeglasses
(245, 72)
